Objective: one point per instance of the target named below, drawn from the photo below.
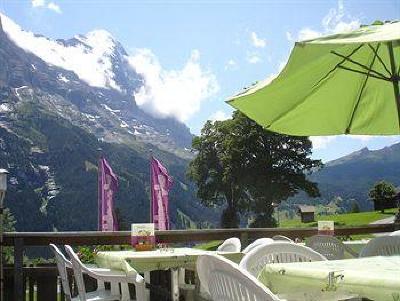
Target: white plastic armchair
(395, 233)
(382, 246)
(223, 280)
(282, 238)
(114, 277)
(256, 243)
(230, 245)
(63, 264)
(329, 246)
(278, 252)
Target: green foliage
(382, 193)
(8, 221)
(355, 208)
(87, 254)
(245, 167)
(8, 226)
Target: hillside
(54, 116)
(351, 176)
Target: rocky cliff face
(97, 95)
(59, 102)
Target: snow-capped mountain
(89, 81)
(62, 100)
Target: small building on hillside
(307, 213)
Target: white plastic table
(146, 261)
(376, 278)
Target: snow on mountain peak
(99, 39)
(91, 64)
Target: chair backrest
(62, 265)
(230, 245)
(281, 238)
(78, 268)
(225, 281)
(382, 246)
(278, 252)
(329, 246)
(256, 243)
(395, 233)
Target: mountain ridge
(351, 176)
(51, 125)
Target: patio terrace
(21, 281)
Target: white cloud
(54, 7)
(257, 41)
(253, 58)
(51, 5)
(38, 3)
(219, 116)
(289, 36)
(335, 21)
(231, 65)
(177, 93)
(321, 142)
(363, 138)
(308, 34)
(91, 64)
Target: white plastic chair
(114, 277)
(230, 245)
(329, 246)
(278, 252)
(281, 238)
(62, 265)
(256, 243)
(395, 233)
(382, 246)
(223, 280)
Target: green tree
(8, 226)
(245, 168)
(381, 193)
(355, 208)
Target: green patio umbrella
(338, 84)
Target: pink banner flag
(108, 185)
(161, 183)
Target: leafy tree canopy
(381, 193)
(241, 165)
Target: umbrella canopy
(338, 84)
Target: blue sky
(214, 48)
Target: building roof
(306, 208)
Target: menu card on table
(142, 237)
(326, 228)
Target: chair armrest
(351, 251)
(108, 275)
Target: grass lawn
(348, 219)
(209, 246)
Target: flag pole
(151, 187)
(99, 157)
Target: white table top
(377, 278)
(146, 261)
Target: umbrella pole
(394, 78)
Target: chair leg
(174, 285)
(147, 280)
(140, 289)
(100, 285)
(125, 296)
(115, 288)
(181, 276)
